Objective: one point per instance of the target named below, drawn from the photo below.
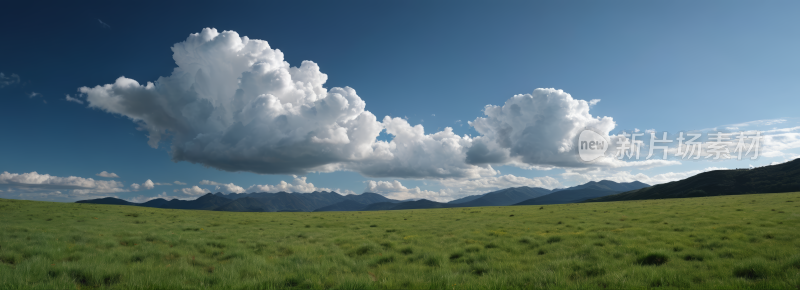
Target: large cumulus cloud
(234, 104)
(536, 129)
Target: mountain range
(768, 179)
(332, 201)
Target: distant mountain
(465, 199)
(508, 196)
(331, 201)
(205, 202)
(419, 204)
(568, 196)
(246, 204)
(260, 201)
(368, 198)
(610, 185)
(346, 205)
(415, 204)
(784, 177)
(158, 202)
(107, 200)
(283, 201)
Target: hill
(568, 196)
(419, 204)
(586, 191)
(508, 196)
(107, 200)
(246, 204)
(368, 198)
(783, 177)
(610, 185)
(465, 199)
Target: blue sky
(668, 66)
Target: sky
(409, 99)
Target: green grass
(727, 242)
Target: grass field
(729, 242)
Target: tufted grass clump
(751, 271)
(653, 259)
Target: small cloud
(179, 183)
(594, 102)
(103, 24)
(7, 80)
(194, 190)
(34, 94)
(71, 99)
(650, 131)
(146, 185)
(433, 115)
(636, 130)
(209, 182)
(107, 174)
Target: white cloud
(7, 80)
(414, 154)
(147, 185)
(226, 188)
(395, 190)
(575, 177)
(103, 24)
(538, 129)
(235, 104)
(194, 191)
(71, 99)
(179, 183)
(298, 184)
(34, 94)
(776, 141)
(107, 174)
(77, 187)
(344, 191)
(768, 122)
(593, 102)
(488, 184)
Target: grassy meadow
(727, 242)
